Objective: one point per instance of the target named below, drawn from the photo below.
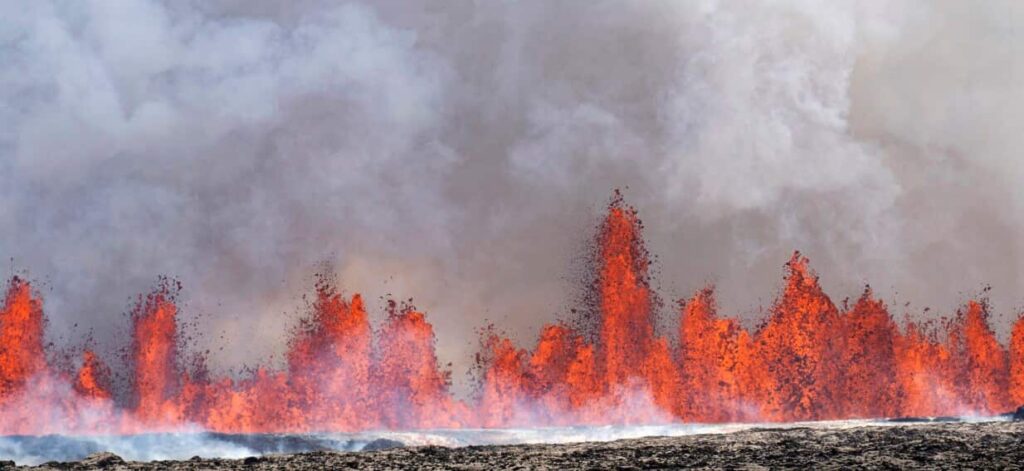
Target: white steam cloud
(460, 152)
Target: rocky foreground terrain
(988, 445)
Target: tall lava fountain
(809, 360)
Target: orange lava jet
(809, 360)
(21, 339)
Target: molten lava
(715, 363)
(809, 360)
(155, 352)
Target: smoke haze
(461, 153)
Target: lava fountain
(808, 360)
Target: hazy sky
(461, 153)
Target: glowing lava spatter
(93, 379)
(716, 364)
(870, 386)
(21, 339)
(155, 351)
(410, 390)
(329, 363)
(809, 360)
(1017, 363)
(800, 347)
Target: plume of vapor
(460, 152)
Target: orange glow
(411, 391)
(627, 331)
(868, 360)
(799, 348)
(329, 364)
(504, 385)
(1017, 362)
(93, 380)
(21, 338)
(156, 354)
(713, 371)
(809, 360)
(982, 368)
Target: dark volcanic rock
(942, 418)
(945, 445)
(1018, 415)
(907, 420)
(263, 443)
(102, 460)
(382, 444)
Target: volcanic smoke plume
(809, 360)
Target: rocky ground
(989, 445)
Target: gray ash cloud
(461, 153)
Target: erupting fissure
(809, 360)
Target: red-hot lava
(809, 360)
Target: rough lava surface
(986, 445)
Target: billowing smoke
(461, 152)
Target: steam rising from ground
(460, 152)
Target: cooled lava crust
(991, 445)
